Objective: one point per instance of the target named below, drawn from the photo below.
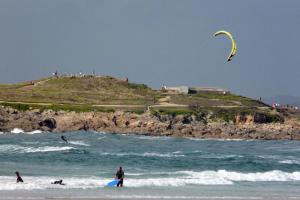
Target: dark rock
(85, 127)
(260, 118)
(49, 122)
(187, 119)
(169, 127)
(201, 117)
(15, 112)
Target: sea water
(155, 167)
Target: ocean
(155, 167)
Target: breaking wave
(34, 132)
(81, 143)
(297, 162)
(145, 137)
(180, 178)
(22, 149)
(146, 154)
(18, 131)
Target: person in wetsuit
(60, 182)
(120, 176)
(64, 138)
(19, 178)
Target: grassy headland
(107, 94)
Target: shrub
(17, 106)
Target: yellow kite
(233, 48)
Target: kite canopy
(233, 48)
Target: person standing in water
(120, 177)
(64, 138)
(19, 178)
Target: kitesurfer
(64, 138)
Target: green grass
(81, 94)
(138, 111)
(17, 106)
(79, 90)
(271, 118)
(108, 90)
(172, 111)
(55, 107)
(229, 98)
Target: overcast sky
(157, 42)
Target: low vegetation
(79, 90)
(55, 107)
(107, 94)
(172, 111)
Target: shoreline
(119, 122)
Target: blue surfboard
(112, 183)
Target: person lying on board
(60, 182)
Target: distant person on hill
(19, 178)
(114, 119)
(64, 138)
(120, 177)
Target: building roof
(210, 89)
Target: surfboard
(112, 183)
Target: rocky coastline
(244, 127)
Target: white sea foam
(290, 162)
(145, 137)
(177, 152)
(34, 132)
(145, 154)
(100, 138)
(22, 149)
(219, 156)
(274, 175)
(46, 149)
(79, 142)
(215, 139)
(99, 132)
(17, 131)
(220, 177)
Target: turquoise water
(155, 167)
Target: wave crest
(80, 143)
(19, 131)
(179, 178)
(22, 149)
(145, 154)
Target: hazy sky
(157, 42)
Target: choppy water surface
(156, 167)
